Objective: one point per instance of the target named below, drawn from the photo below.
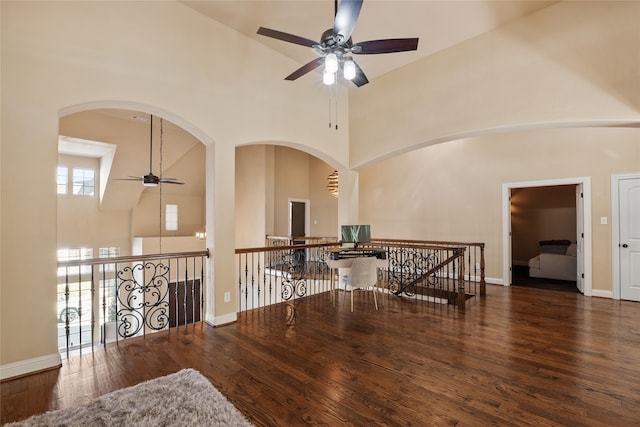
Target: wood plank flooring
(519, 357)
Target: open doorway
(298, 217)
(553, 213)
(544, 237)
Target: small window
(171, 217)
(108, 252)
(62, 179)
(84, 182)
(72, 255)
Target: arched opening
(268, 178)
(105, 210)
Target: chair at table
(364, 275)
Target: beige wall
(453, 191)
(267, 177)
(324, 206)
(291, 182)
(571, 65)
(81, 223)
(49, 71)
(146, 216)
(251, 195)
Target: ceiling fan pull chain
(161, 143)
(336, 93)
(160, 190)
(151, 144)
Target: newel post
(483, 283)
(460, 294)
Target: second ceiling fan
(336, 45)
(150, 179)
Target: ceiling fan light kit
(328, 78)
(336, 44)
(331, 63)
(349, 69)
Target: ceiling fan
(336, 45)
(151, 180)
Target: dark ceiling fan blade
(164, 181)
(305, 69)
(275, 34)
(346, 18)
(360, 78)
(385, 46)
(133, 178)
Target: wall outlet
(477, 266)
(227, 296)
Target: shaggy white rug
(185, 398)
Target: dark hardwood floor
(520, 277)
(519, 357)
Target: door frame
(585, 182)
(307, 214)
(615, 230)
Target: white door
(629, 200)
(580, 238)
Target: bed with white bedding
(557, 260)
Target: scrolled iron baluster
(157, 317)
(157, 288)
(130, 324)
(143, 304)
(301, 287)
(287, 290)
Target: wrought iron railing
(426, 272)
(429, 271)
(103, 300)
(474, 273)
(281, 273)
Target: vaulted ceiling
(439, 24)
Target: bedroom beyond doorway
(544, 236)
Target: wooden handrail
(281, 248)
(430, 242)
(132, 258)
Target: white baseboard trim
(601, 294)
(494, 281)
(222, 320)
(28, 366)
(489, 280)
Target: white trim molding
(602, 294)
(24, 367)
(225, 319)
(587, 239)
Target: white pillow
(572, 250)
